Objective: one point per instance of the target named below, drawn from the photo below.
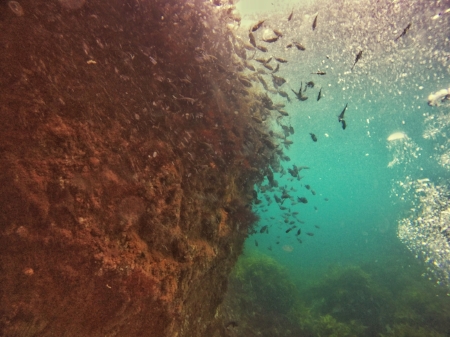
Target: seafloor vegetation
(372, 299)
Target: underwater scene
(225, 168)
(353, 236)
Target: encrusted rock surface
(128, 159)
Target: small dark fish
(290, 15)
(302, 200)
(341, 116)
(277, 199)
(252, 39)
(256, 26)
(318, 227)
(326, 199)
(271, 40)
(286, 220)
(256, 243)
(404, 32)
(309, 84)
(262, 48)
(278, 33)
(319, 73)
(278, 81)
(299, 232)
(263, 229)
(289, 45)
(310, 234)
(249, 66)
(291, 130)
(276, 69)
(263, 82)
(260, 60)
(279, 59)
(313, 137)
(289, 229)
(284, 94)
(300, 95)
(283, 208)
(314, 25)
(315, 208)
(358, 57)
(285, 195)
(307, 187)
(269, 248)
(268, 66)
(313, 192)
(299, 240)
(319, 96)
(299, 46)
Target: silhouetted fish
(341, 116)
(316, 226)
(404, 32)
(313, 137)
(281, 60)
(319, 96)
(284, 94)
(290, 15)
(262, 48)
(314, 25)
(299, 232)
(299, 46)
(278, 81)
(319, 73)
(300, 95)
(310, 234)
(302, 200)
(256, 243)
(256, 26)
(264, 229)
(252, 39)
(358, 57)
(278, 33)
(271, 39)
(276, 69)
(289, 229)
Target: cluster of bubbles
(426, 231)
(403, 149)
(436, 126)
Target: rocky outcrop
(129, 151)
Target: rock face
(128, 159)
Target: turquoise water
(370, 183)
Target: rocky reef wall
(130, 145)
